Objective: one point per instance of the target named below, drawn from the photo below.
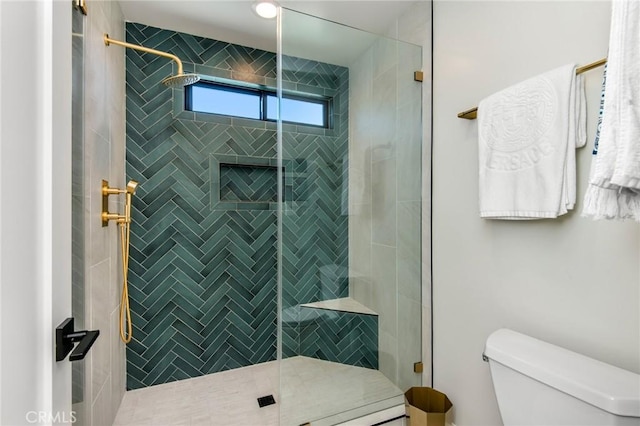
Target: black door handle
(66, 337)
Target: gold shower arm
(108, 41)
(472, 114)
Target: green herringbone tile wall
(203, 280)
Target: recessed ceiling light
(266, 9)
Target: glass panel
(78, 212)
(218, 100)
(350, 242)
(297, 111)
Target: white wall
(35, 127)
(384, 197)
(570, 281)
(26, 234)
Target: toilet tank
(537, 383)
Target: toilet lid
(609, 388)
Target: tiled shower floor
(312, 389)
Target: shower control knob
(66, 338)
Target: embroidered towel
(614, 183)
(527, 137)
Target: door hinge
(418, 367)
(81, 5)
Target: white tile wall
(415, 27)
(99, 277)
(104, 159)
(386, 255)
(408, 252)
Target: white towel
(614, 183)
(527, 136)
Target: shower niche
(246, 183)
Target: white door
(35, 209)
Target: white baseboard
(378, 417)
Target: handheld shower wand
(129, 191)
(124, 223)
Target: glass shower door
(349, 221)
(78, 292)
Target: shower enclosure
(291, 241)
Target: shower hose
(125, 311)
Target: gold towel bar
(472, 114)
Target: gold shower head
(180, 79)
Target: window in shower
(257, 104)
(299, 110)
(225, 100)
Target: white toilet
(540, 384)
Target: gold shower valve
(106, 217)
(106, 191)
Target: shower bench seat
(338, 330)
(344, 304)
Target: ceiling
(234, 21)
